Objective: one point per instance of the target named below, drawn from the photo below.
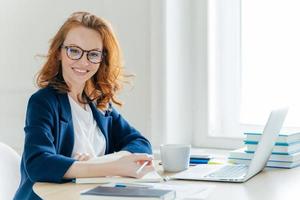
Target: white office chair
(9, 171)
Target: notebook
(151, 177)
(241, 173)
(127, 193)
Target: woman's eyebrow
(98, 49)
(71, 44)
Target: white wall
(164, 45)
(27, 26)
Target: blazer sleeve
(126, 137)
(42, 163)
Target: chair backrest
(9, 171)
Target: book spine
(256, 138)
(276, 144)
(277, 149)
(282, 138)
(273, 157)
(273, 164)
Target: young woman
(71, 118)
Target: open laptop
(241, 173)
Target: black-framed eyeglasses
(75, 53)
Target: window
(224, 67)
(253, 64)
(270, 59)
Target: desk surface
(275, 184)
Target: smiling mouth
(81, 71)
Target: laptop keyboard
(229, 171)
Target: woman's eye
(94, 54)
(74, 51)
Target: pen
(141, 167)
(132, 185)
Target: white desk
(271, 184)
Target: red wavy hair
(102, 87)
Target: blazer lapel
(65, 108)
(66, 117)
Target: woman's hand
(128, 165)
(82, 156)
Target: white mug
(175, 157)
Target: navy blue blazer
(49, 139)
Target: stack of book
(285, 154)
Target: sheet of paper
(186, 191)
(151, 177)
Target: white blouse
(88, 136)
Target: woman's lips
(80, 71)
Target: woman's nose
(84, 60)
